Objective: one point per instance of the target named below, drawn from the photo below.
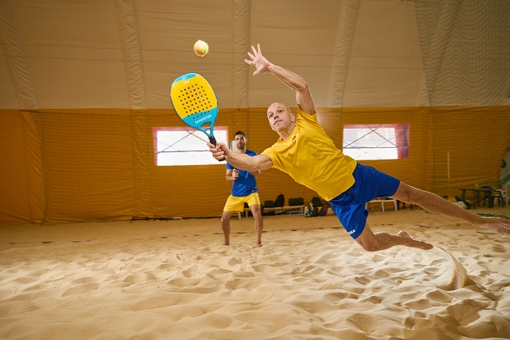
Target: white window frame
(185, 146)
(376, 141)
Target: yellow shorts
(236, 203)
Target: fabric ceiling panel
(385, 66)
(168, 33)
(74, 52)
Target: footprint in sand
(439, 296)
(499, 249)
(81, 289)
(363, 280)
(233, 261)
(83, 280)
(382, 274)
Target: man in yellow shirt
(309, 156)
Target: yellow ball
(458, 223)
(201, 48)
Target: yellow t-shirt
(311, 158)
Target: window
(185, 146)
(376, 141)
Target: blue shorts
(350, 206)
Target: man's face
(240, 141)
(279, 116)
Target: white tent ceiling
(126, 53)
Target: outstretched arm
(241, 161)
(262, 65)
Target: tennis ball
(201, 48)
(457, 224)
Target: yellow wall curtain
(82, 165)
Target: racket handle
(213, 142)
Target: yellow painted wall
(82, 165)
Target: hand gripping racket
(194, 101)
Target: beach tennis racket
(195, 103)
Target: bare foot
(259, 244)
(497, 224)
(226, 243)
(410, 242)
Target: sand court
(89, 133)
(175, 280)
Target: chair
(491, 195)
(383, 200)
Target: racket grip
(213, 142)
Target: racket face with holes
(195, 102)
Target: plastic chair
(493, 195)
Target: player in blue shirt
(244, 190)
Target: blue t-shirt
(245, 184)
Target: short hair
(240, 133)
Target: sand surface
(310, 280)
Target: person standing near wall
(244, 190)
